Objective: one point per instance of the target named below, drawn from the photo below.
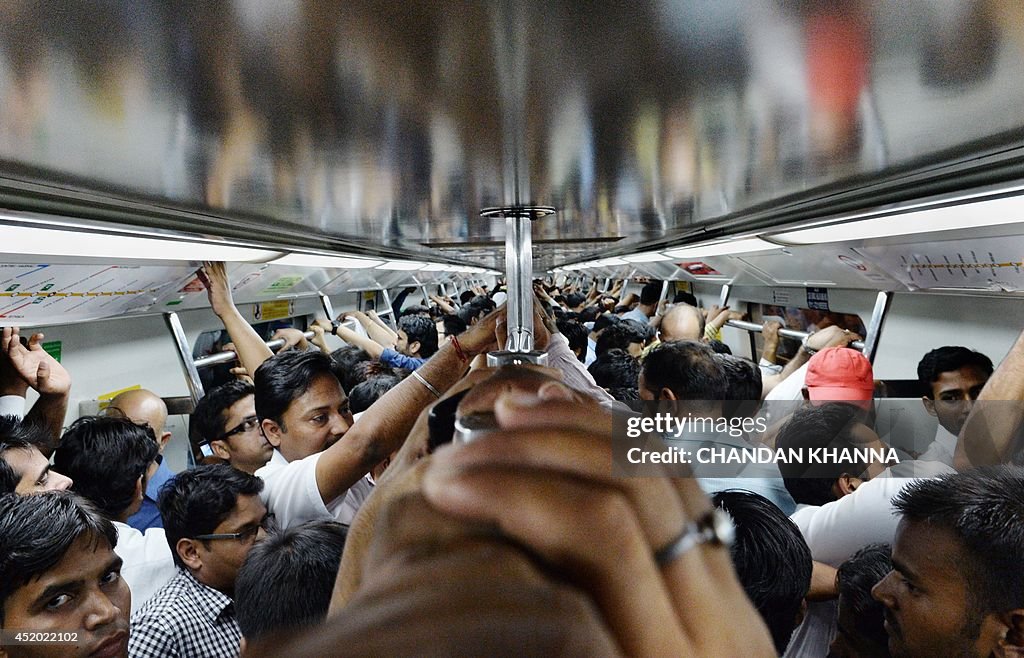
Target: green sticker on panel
(53, 348)
(282, 284)
(174, 302)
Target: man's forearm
(48, 413)
(988, 435)
(251, 349)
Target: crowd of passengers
(338, 517)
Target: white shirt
(291, 493)
(12, 405)
(591, 352)
(942, 448)
(148, 563)
(790, 388)
(838, 529)
(834, 532)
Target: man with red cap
(839, 374)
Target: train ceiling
(385, 128)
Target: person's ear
(929, 405)
(188, 553)
(666, 393)
(846, 484)
(162, 440)
(414, 347)
(272, 431)
(140, 489)
(221, 449)
(1012, 644)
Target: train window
(212, 342)
(802, 319)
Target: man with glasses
(212, 516)
(226, 419)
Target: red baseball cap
(839, 374)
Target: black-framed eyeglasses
(247, 424)
(245, 536)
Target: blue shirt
(148, 515)
(396, 359)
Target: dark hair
(743, 379)
(826, 426)
(623, 394)
(285, 377)
(453, 325)
(686, 367)
(576, 334)
(288, 578)
(574, 299)
(772, 560)
(588, 314)
(210, 413)
(855, 578)
(196, 501)
(345, 361)
(606, 320)
(36, 532)
(415, 309)
(419, 328)
(650, 293)
(470, 312)
(620, 336)
(685, 298)
(615, 369)
(368, 392)
(718, 347)
(948, 359)
(106, 456)
(466, 296)
(984, 508)
(16, 435)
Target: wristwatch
(810, 351)
(334, 327)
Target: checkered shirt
(185, 619)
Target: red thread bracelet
(458, 348)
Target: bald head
(142, 406)
(682, 322)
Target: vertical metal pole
(607, 284)
(389, 312)
(188, 365)
(519, 272)
(724, 299)
(874, 332)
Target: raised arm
(251, 349)
(47, 377)
(374, 326)
(371, 347)
(385, 425)
(989, 434)
(828, 337)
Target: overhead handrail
(228, 356)
(753, 327)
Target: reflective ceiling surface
(390, 125)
